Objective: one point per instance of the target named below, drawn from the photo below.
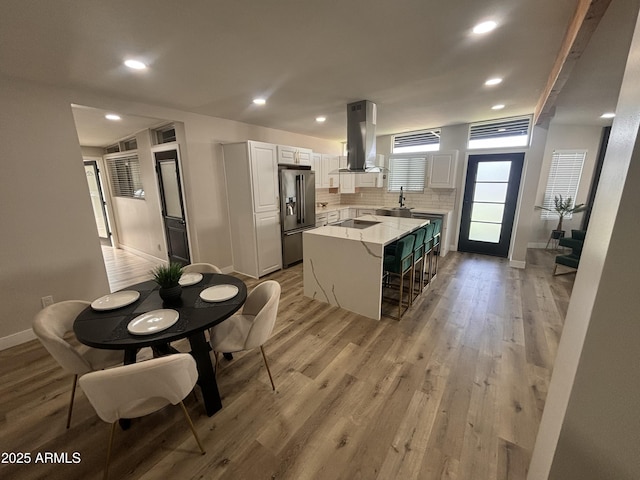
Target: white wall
(590, 428)
(49, 244)
(565, 137)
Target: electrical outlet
(46, 301)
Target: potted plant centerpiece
(167, 276)
(562, 207)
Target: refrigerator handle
(298, 199)
(304, 198)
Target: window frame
(414, 179)
(125, 177)
(555, 186)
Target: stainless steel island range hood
(361, 138)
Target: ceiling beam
(584, 22)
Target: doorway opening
(98, 202)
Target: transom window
(506, 132)
(420, 141)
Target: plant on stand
(562, 207)
(167, 277)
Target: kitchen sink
(394, 211)
(356, 223)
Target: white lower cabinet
(269, 240)
(321, 219)
(365, 211)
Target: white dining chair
(136, 390)
(200, 268)
(251, 328)
(51, 325)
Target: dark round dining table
(108, 328)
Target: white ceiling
(416, 59)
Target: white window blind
(407, 171)
(564, 178)
(506, 132)
(124, 177)
(420, 141)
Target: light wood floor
(125, 268)
(454, 390)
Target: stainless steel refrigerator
(297, 209)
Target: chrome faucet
(401, 199)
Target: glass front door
(491, 193)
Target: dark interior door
(97, 200)
(175, 224)
(489, 203)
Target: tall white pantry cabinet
(251, 170)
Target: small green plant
(167, 276)
(562, 208)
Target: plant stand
(554, 238)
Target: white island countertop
(343, 266)
(387, 230)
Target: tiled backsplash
(323, 195)
(440, 199)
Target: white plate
(189, 279)
(219, 293)
(153, 322)
(115, 300)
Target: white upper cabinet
(370, 180)
(304, 156)
(318, 168)
(294, 155)
(442, 169)
(264, 177)
(333, 179)
(347, 180)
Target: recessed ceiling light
(112, 116)
(259, 101)
(493, 81)
(135, 64)
(485, 27)
(608, 115)
(497, 107)
(320, 119)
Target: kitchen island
(343, 264)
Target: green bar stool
(428, 254)
(399, 263)
(437, 233)
(418, 260)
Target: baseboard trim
(142, 254)
(16, 339)
(517, 264)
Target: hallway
(125, 268)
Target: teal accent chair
(399, 263)
(575, 243)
